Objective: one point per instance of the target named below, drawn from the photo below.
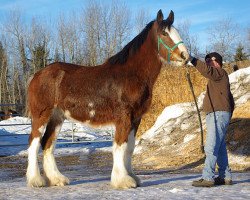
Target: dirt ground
(12, 167)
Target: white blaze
(174, 35)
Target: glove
(189, 62)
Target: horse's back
(54, 68)
(50, 73)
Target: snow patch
(188, 137)
(175, 190)
(170, 112)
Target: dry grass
(170, 88)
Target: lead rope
(197, 108)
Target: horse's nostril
(184, 55)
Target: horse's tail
(27, 111)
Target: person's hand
(188, 62)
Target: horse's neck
(147, 63)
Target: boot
(203, 183)
(221, 181)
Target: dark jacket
(218, 95)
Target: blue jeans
(215, 148)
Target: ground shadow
(143, 184)
(167, 180)
(90, 181)
(184, 169)
(241, 181)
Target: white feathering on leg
(34, 178)
(51, 171)
(122, 175)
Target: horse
(116, 93)
(11, 113)
(2, 115)
(8, 114)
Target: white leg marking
(34, 178)
(50, 168)
(122, 175)
(67, 114)
(42, 129)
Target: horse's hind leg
(51, 172)
(34, 178)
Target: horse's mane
(130, 49)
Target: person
(218, 105)
(235, 68)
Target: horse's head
(171, 48)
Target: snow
(238, 81)
(188, 137)
(80, 133)
(239, 75)
(155, 185)
(170, 112)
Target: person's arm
(209, 72)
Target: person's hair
(217, 56)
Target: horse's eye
(164, 33)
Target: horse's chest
(137, 97)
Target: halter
(170, 50)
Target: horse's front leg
(122, 174)
(131, 148)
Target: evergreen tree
(240, 54)
(40, 56)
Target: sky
(200, 13)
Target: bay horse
(117, 93)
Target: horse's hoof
(37, 181)
(137, 179)
(124, 183)
(58, 181)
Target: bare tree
(69, 36)
(15, 30)
(223, 36)
(141, 20)
(92, 31)
(108, 33)
(61, 35)
(4, 74)
(106, 28)
(189, 39)
(248, 39)
(121, 24)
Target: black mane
(130, 49)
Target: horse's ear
(170, 19)
(159, 17)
